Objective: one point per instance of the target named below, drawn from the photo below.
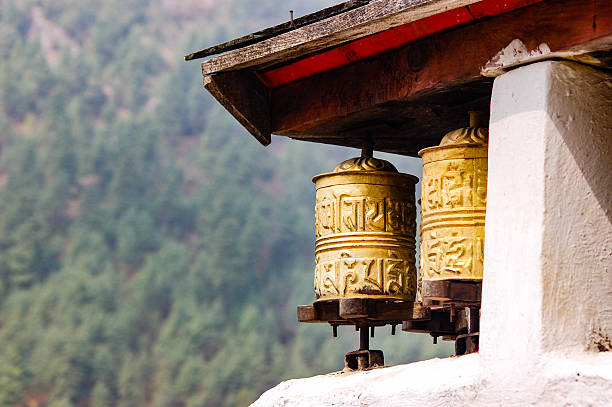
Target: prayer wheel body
(453, 202)
(365, 231)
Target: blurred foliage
(151, 252)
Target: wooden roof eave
(374, 17)
(407, 105)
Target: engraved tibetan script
(364, 275)
(451, 256)
(347, 214)
(453, 185)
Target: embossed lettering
(324, 218)
(351, 214)
(375, 214)
(393, 276)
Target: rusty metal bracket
(362, 311)
(459, 324)
(364, 314)
(451, 292)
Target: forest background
(152, 253)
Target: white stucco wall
(456, 382)
(577, 242)
(548, 235)
(547, 288)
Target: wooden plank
(246, 98)
(467, 319)
(386, 40)
(307, 313)
(277, 29)
(454, 290)
(358, 310)
(401, 311)
(445, 60)
(327, 310)
(353, 307)
(439, 323)
(377, 16)
(364, 48)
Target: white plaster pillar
(547, 283)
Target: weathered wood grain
(400, 311)
(307, 313)
(376, 16)
(438, 324)
(246, 98)
(277, 29)
(353, 307)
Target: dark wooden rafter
(246, 98)
(357, 311)
(460, 291)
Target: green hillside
(151, 252)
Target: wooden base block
(363, 359)
(452, 320)
(362, 311)
(459, 324)
(459, 292)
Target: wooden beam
(393, 38)
(376, 16)
(360, 310)
(363, 48)
(246, 98)
(434, 64)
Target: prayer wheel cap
(364, 169)
(474, 134)
(365, 164)
(474, 139)
(465, 136)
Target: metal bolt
(368, 147)
(364, 341)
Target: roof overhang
(402, 73)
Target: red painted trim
(386, 40)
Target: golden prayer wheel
(453, 201)
(365, 231)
